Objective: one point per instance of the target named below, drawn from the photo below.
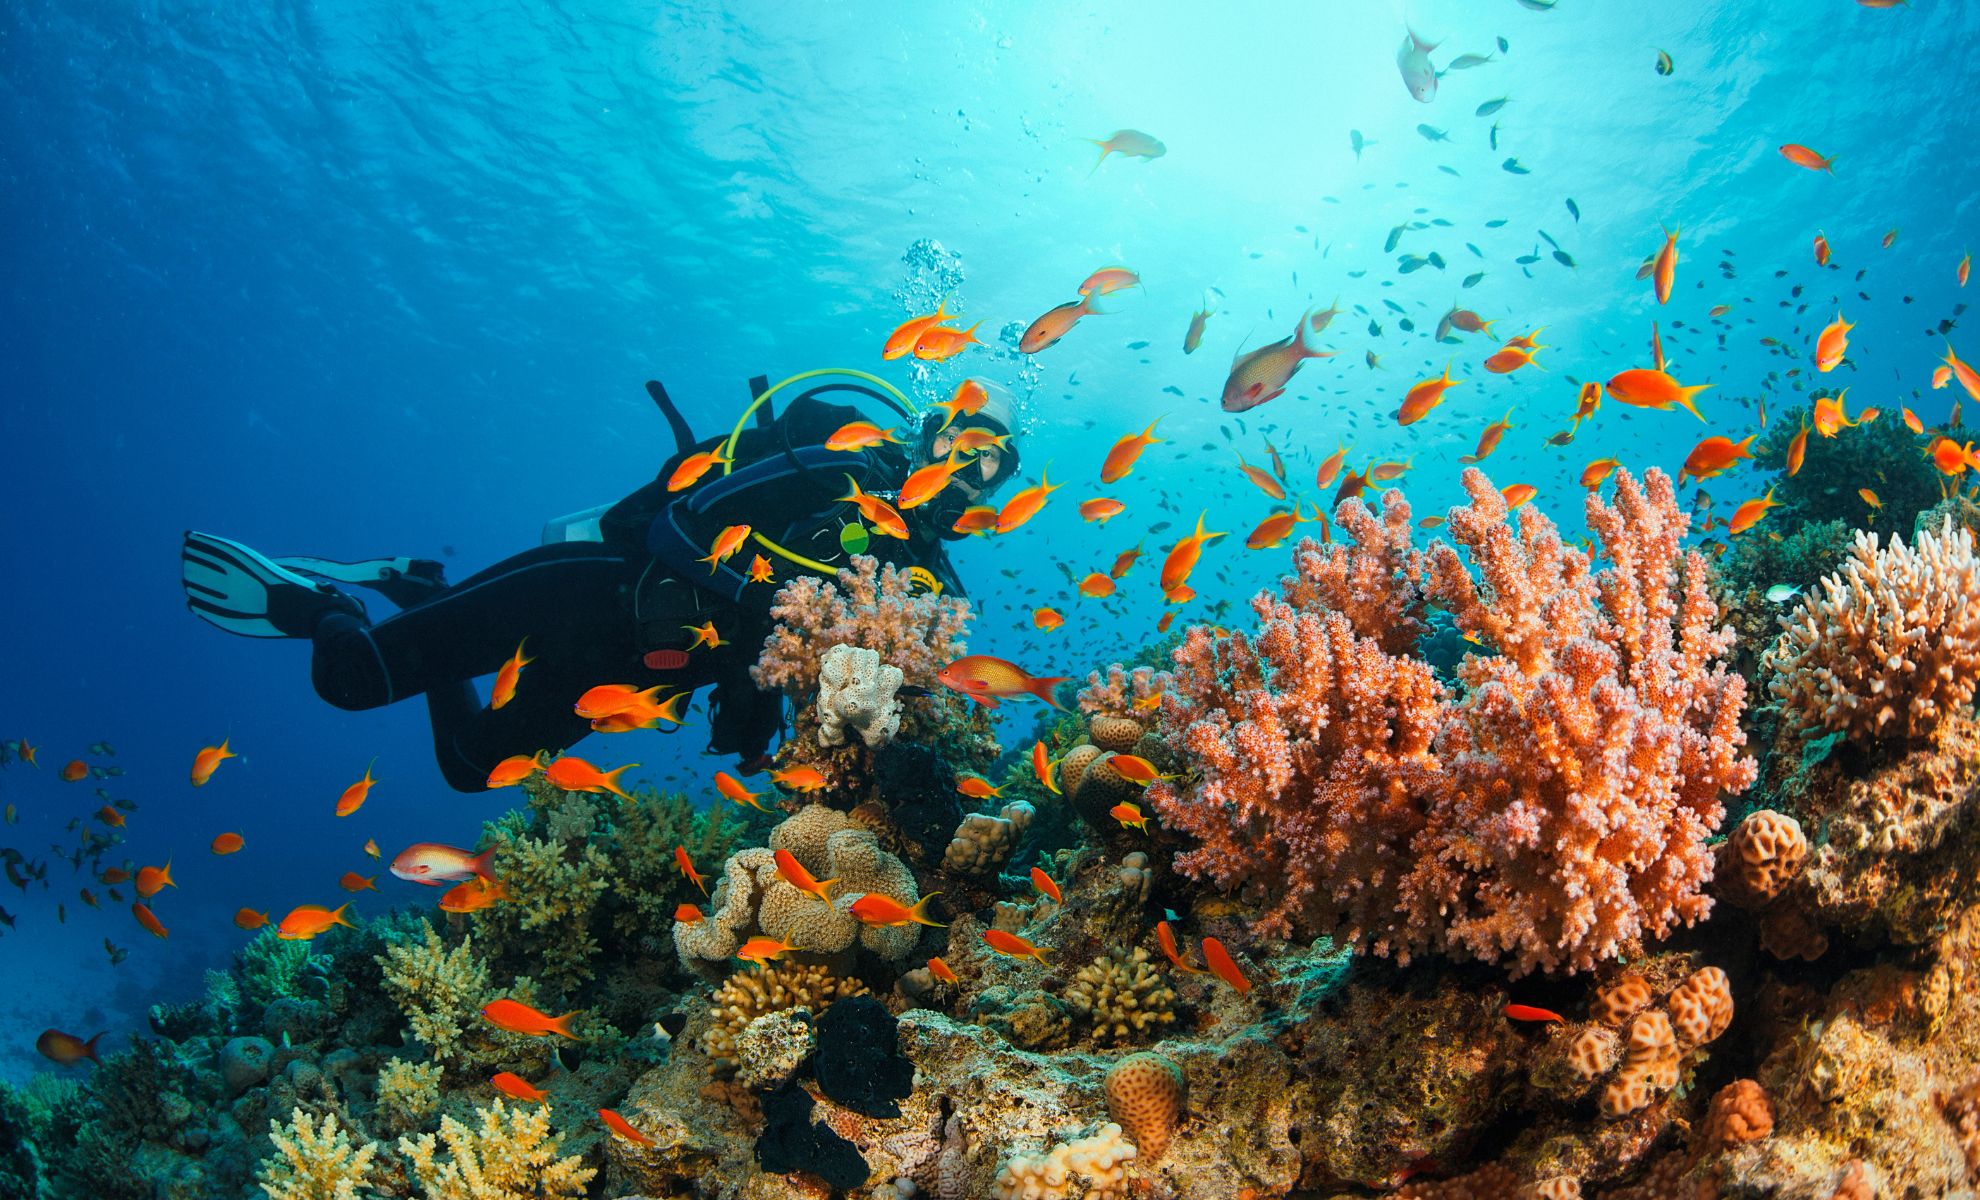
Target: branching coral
(1122, 692)
(439, 990)
(1890, 645)
(1122, 996)
(511, 1155)
(1553, 816)
(314, 1160)
(869, 606)
(408, 1095)
(553, 887)
(747, 995)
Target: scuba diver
(615, 594)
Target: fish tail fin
(919, 913)
(1106, 148)
(483, 864)
(165, 875)
(856, 494)
(89, 1049)
(563, 1024)
(1685, 395)
(612, 780)
(337, 917)
(1087, 307)
(1045, 688)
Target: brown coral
(1768, 849)
(745, 996)
(1145, 1097)
(1701, 1007)
(1119, 734)
(1122, 996)
(1740, 1112)
(1616, 1002)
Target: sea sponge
(1100, 1159)
(1768, 849)
(983, 842)
(1890, 644)
(1122, 996)
(512, 1155)
(856, 860)
(1616, 1002)
(731, 913)
(1740, 1112)
(408, 1095)
(314, 1161)
(1145, 1097)
(747, 995)
(1650, 1065)
(1701, 1007)
(856, 696)
(805, 832)
(1119, 734)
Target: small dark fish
(912, 691)
(1437, 260)
(1504, 46)
(1664, 64)
(1564, 258)
(1494, 137)
(1397, 307)
(1173, 390)
(1574, 209)
(1158, 527)
(1550, 241)
(1374, 330)
(1495, 223)
(1529, 259)
(1395, 235)
(1449, 170)
(1406, 325)
(1512, 166)
(1358, 142)
(1475, 251)
(1137, 345)
(1433, 134)
(1465, 62)
(1472, 280)
(1490, 106)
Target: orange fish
(1593, 475)
(1965, 269)
(1911, 421)
(1719, 310)
(1097, 585)
(432, 864)
(1643, 388)
(513, 1016)
(976, 439)
(1834, 340)
(1517, 494)
(978, 788)
(878, 512)
(354, 882)
(619, 1125)
(1526, 1012)
(305, 921)
(149, 921)
(75, 769)
(1387, 471)
(727, 543)
(942, 972)
(1714, 456)
(976, 519)
(686, 864)
(110, 816)
(247, 918)
(1025, 505)
(1193, 336)
(609, 699)
(798, 779)
(1165, 937)
(688, 914)
(984, 679)
(1184, 555)
(1101, 509)
(1802, 156)
(1109, 279)
(1276, 528)
(1046, 618)
(1135, 769)
(1264, 373)
(1167, 619)
(371, 848)
(516, 1087)
(1330, 468)
(1797, 449)
(1821, 250)
(227, 843)
(573, 774)
(1869, 497)
(1831, 414)
(66, 1048)
(1131, 143)
(88, 898)
(1489, 440)
(1041, 766)
(969, 398)
(114, 876)
(1510, 358)
(26, 752)
(939, 343)
(1012, 946)
(473, 895)
(908, 332)
(1949, 457)
(927, 482)
(793, 873)
(355, 795)
(760, 950)
(693, 467)
(1749, 513)
(1664, 273)
(153, 880)
(513, 770)
(1127, 812)
(1054, 324)
(1223, 966)
(1124, 560)
(1045, 885)
(875, 908)
(759, 570)
(733, 789)
(1261, 479)
(1967, 376)
(705, 634)
(858, 435)
(1421, 398)
(509, 676)
(207, 761)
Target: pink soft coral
(1554, 816)
(870, 606)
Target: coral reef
(870, 606)
(315, 1160)
(509, 1154)
(856, 698)
(1122, 996)
(1095, 1163)
(748, 995)
(1145, 1098)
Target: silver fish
(1464, 62)
(1413, 60)
(1781, 593)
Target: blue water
(354, 278)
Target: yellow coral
(747, 995)
(440, 990)
(512, 1156)
(1122, 995)
(408, 1094)
(553, 886)
(314, 1161)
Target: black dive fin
(683, 435)
(759, 384)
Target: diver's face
(989, 460)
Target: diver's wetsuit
(591, 611)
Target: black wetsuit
(592, 611)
